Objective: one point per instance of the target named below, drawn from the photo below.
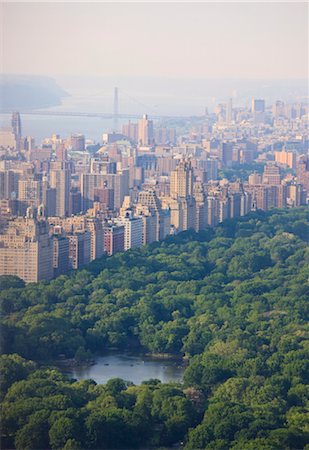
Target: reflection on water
(130, 367)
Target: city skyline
(143, 183)
(154, 194)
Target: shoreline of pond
(129, 365)
(73, 362)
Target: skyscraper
(257, 105)
(227, 153)
(183, 210)
(287, 158)
(131, 131)
(148, 198)
(61, 261)
(26, 250)
(29, 192)
(77, 142)
(302, 171)
(9, 184)
(182, 180)
(113, 238)
(79, 248)
(271, 175)
(229, 111)
(145, 131)
(16, 127)
(201, 206)
(258, 110)
(60, 180)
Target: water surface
(128, 366)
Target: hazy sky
(187, 40)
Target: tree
(34, 435)
(10, 281)
(108, 429)
(13, 368)
(61, 431)
(72, 444)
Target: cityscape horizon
(154, 225)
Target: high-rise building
(223, 209)
(79, 248)
(94, 226)
(220, 111)
(145, 131)
(278, 109)
(302, 172)
(212, 211)
(287, 158)
(149, 225)
(257, 105)
(183, 210)
(26, 249)
(77, 142)
(9, 184)
(247, 153)
(113, 238)
(183, 213)
(8, 208)
(294, 194)
(281, 196)
(61, 261)
(61, 154)
(165, 165)
(61, 180)
(258, 110)
(227, 153)
(16, 127)
(245, 203)
(30, 192)
(133, 230)
(201, 206)
(75, 201)
(130, 130)
(271, 175)
(182, 180)
(8, 139)
(105, 196)
(165, 136)
(88, 182)
(234, 205)
(148, 198)
(261, 198)
(211, 168)
(49, 199)
(254, 179)
(120, 185)
(29, 144)
(229, 111)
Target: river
(140, 95)
(128, 366)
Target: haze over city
(154, 226)
(183, 40)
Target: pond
(128, 366)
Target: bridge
(115, 115)
(101, 115)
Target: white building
(133, 230)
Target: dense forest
(233, 300)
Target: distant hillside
(29, 92)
